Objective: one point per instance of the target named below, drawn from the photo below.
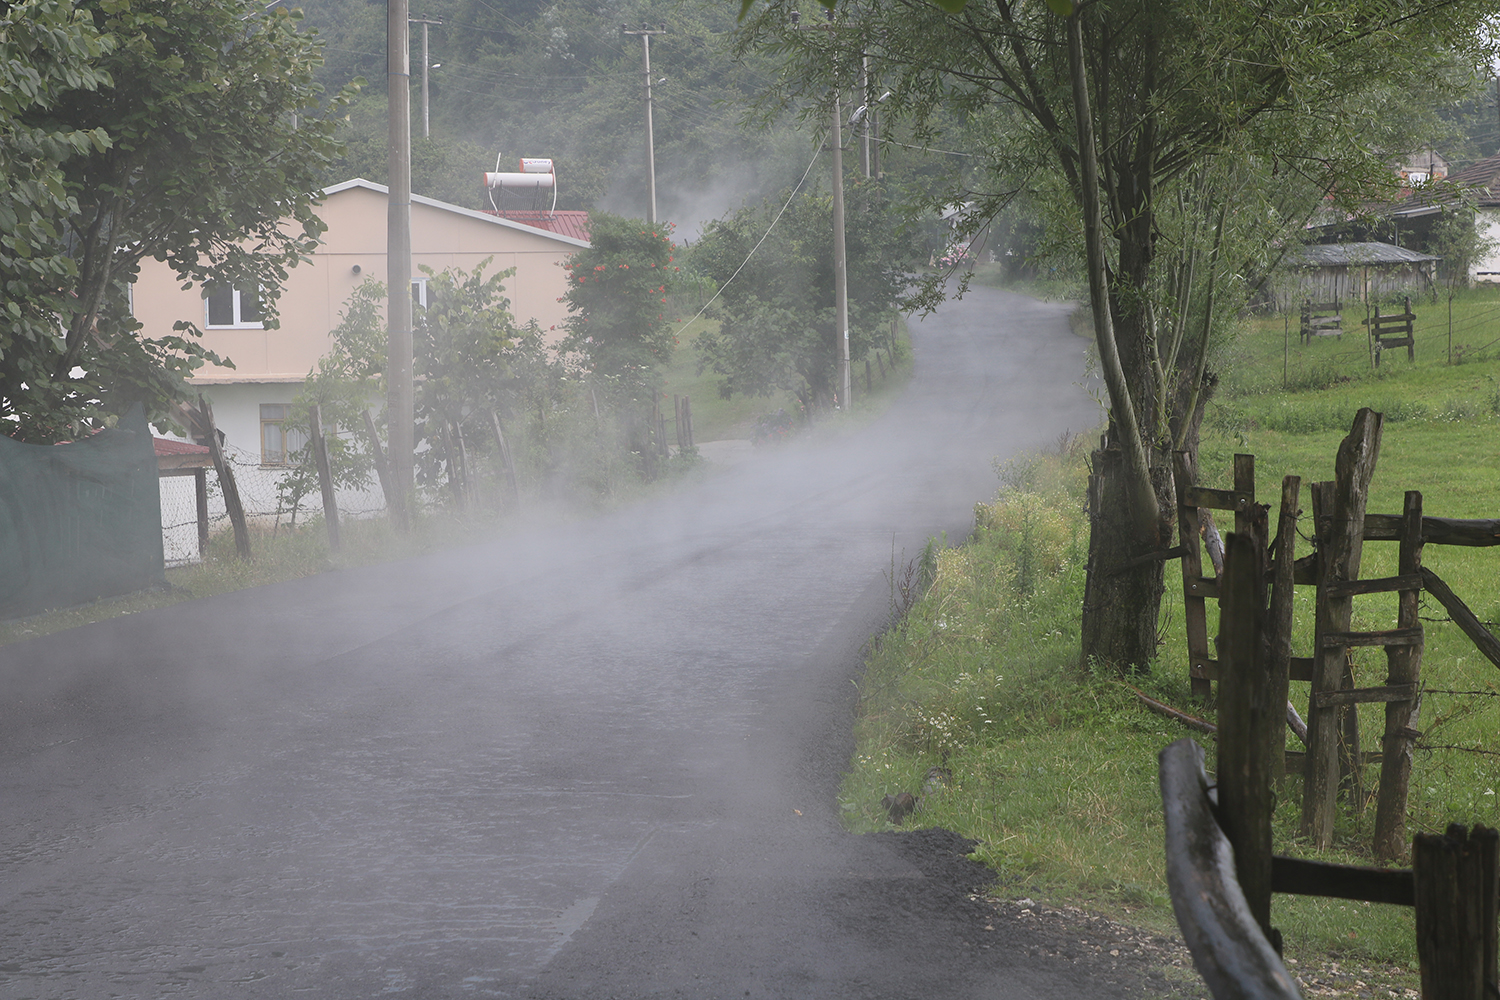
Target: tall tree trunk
(1122, 596)
(1131, 499)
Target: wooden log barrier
(1229, 950)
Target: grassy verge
(1053, 767)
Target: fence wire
(257, 485)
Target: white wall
(1487, 268)
(237, 413)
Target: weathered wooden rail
(1321, 319)
(1229, 948)
(1215, 892)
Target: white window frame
(237, 308)
(419, 292)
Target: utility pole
(646, 34)
(840, 270)
(424, 22)
(400, 405)
(864, 124)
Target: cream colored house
(250, 400)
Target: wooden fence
(1334, 760)
(1393, 330)
(1453, 883)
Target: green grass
(714, 418)
(1054, 768)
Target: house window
(231, 308)
(278, 442)
(419, 293)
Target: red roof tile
(166, 447)
(574, 223)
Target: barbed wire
(1449, 746)
(1487, 694)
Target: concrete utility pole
(864, 122)
(426, 65)
(400, 404)
(646, 34)
(840, 270)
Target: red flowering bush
(614, 303)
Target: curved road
(580, 762)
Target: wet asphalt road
(587, 761)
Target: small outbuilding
(1354, 272)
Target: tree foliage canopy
(777, 328)
(205, 131)
(1215, 129)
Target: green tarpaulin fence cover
(79, 521)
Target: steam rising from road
(573, 748)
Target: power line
(736, 274)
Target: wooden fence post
(325, 477)
(1279, 623)
(231, 490)
(378, 454)
(1404, 667)
(200, 495)
(1339, 554)
(455, 475)
(1247, 717)
(1195, 616)
(505, 456)
(1456, 897)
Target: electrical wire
(757, 246)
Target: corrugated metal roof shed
(1355, 255)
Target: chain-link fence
(264, 508)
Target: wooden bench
(1321, 319)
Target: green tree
(345, 382)
(470, 360)
(46, 48)
(617, 293)
(1286, 104)
(215, 139)
(777, 327)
